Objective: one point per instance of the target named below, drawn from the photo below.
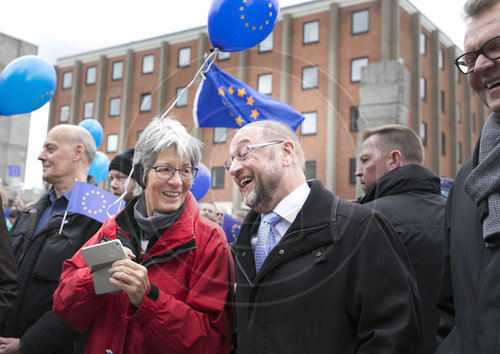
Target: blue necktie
(265, 238)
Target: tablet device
(99, 259)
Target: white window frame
(148, 64)
(311, 32)
(360, 22)
(117, 70)
(310, 77)
(114, 106)
(184, 57)
(265, 84)
(88, 110)
(309, 125)
(112, 143)
(357, 65)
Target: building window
(148, 64)
(310, 170)
(352, 171)
(220, 135)
(423, 133)
(183, 97)
(353, 119)
(139, 133)
(311, 32)
(309, 77)
(459, 152)
(443, 144)
(265, 84)
(267, 44)
(91, 76)
(88, 110)
(184, 57)
(67, 80)
(63, 114)
(112, 143)
(217, 177)
(443, 101)
(457, 75)
(360, 22)
(114, 106)
(223, 56)
(423, 88)
(473, 123)
(441, 58)
(117, 71)
(145, 103)
(309, 125)
(356, 66)
(423, 43)
(459, 113)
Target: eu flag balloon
(235, 25)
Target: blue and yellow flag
(93, 202)
(223, 101)
(231, 227)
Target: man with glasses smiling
(470, 293)
(314, 273)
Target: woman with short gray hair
(176, 282)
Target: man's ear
(79, 153)
(396, 160)
(288, 152)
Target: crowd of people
(402, 269)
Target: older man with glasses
(470, 294)
(314, 273)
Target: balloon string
(200, 71)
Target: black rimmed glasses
(166, 172)
(490, 49)
(246, 152)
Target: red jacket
(186, 309)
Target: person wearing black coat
(42, 238)
(336, 278)
(470, 298)
(409, 196)
(8, 269)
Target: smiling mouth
(245, 182)
(171, 194)
(493, 84)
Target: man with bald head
(40, 247)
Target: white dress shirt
(288, 209)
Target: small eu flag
(231, 227)
(93, 202)
(223, 101)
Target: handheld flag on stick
(93, 202)
(231, 227)
(223, 101)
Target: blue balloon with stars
(26, 84)
(235, 25)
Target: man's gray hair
(473, 8)
(274, 130)
(83, 136)
(161, 134)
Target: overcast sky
(61, 28)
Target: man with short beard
(314, 273)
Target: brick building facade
(346, 64)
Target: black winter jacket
(410, 198)
(40, 262)
(470, 297)
(339, 281)
(8, 269)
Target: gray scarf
(483, 183)
(155, 224)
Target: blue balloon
(99, 167)
(235, 25)
(95, 129)
(26, 84)
(202, 182)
